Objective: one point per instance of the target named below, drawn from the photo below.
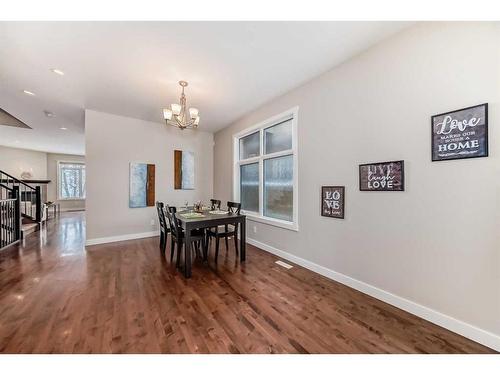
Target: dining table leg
(187, 253)
(243, 240)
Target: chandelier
(179, 115)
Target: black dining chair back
(215, 204)
(233, 208)
(164, 227)
(226, 231)
(175, 232)
(197, 237)
(159, 207)
(170, 212)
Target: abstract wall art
(142, 185)
(183, 170)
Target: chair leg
(179, 251)
(216, 248)
(194, 249)
(205, 249)
(162, 239)
(172, 248)
(227, 243)
(164, 244)
(236, 241)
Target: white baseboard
(124, 237)
(465, 329)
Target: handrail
(8, 200)
(17, 180)
(5, 187)
(27, 193)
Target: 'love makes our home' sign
(460, 134)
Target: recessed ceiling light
(63, 128)
(57, 71)
(29, 92)
(49, 114)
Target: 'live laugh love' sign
(386, 176)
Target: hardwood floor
(124, 297)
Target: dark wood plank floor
(56, 297)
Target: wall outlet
(255, 228)
(152, 222)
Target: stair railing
(10, 215)
(30, 197)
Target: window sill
(274, 222)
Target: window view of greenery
(250, 146)
(278, 137)
(278, 188)
(249, 187)
(71, 181)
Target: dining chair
(215, 204)
(164, 227)
(225, 231)
(178, 236)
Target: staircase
(18, 202)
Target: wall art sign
(460, 134)
(183, 170)
(384, 176)
(332, 201)
(142, 185)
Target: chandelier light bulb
(167, 114)
(176, 109)
(193, 112)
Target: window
(265, 170)
(70, 180)
(249, 187)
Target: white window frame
(260, 127)
(59, 162)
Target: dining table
(190, 220)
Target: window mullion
(261, 174)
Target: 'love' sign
(332, 201)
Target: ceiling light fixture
(57, 71)
(179, 115)
(49, 114)
(29, 92)
(63, 128)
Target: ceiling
(132, 69)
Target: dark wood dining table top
(207, 216)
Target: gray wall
(435, 244)
(111, 143)
(15, 161)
